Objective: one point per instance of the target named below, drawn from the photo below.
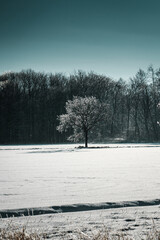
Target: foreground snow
(48, 175)
(135, 222)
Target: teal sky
(111, 37)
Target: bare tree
(82, 115)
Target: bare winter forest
(31, 101)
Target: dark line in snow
(75, 208)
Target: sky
(111, 37)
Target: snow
(75, 208)
(47, 175)
(135, 222)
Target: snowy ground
(47, 175)
(134, 222)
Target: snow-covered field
(132, 222)
(47, 175)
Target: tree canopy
(82, 115)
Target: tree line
(31, 101)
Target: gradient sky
(111, 37)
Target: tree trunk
(86, 138)
(128, 120)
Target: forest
(31, 101)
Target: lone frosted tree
(82, 115)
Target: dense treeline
(31, 101)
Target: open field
(47, 175)
(41, 176)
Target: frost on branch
(82, 115)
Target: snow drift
(75, 208)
